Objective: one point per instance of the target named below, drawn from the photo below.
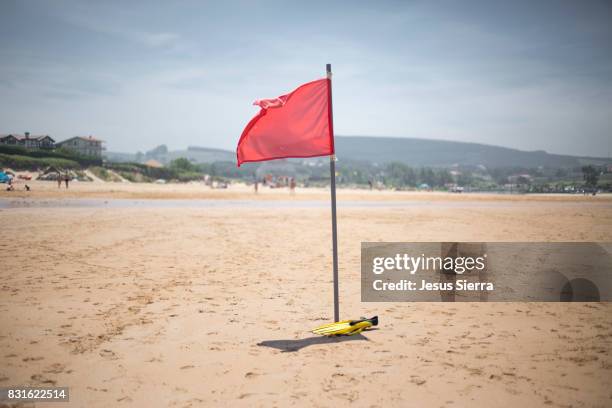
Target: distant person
(67, 180)
(59, 180)
(292, 185)
(370, 184)
(256, 186)
(27, 187)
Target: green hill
(427, 152)
(410, 151)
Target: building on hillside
(85, 146)
(11, 140)
(28, 141)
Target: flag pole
(332, 171)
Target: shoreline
(8, 203)
(196, 191)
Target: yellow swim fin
(346, 327)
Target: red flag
(298, 124)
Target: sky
(526, 75)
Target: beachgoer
(59, 180)
(67, 179)
(27, 187)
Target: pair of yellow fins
(346, 327)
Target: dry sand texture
(196, 307)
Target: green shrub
(47, 153)
(19, 162)
(179, 169)
(189, 176)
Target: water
(12, 203)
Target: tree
(400, 175)
(444, 177)
(182, 164)
(590, 176)
(465, 178)
(427, 176)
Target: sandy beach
(187, 306)
(239, 191)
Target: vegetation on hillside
(50, 154)
(395, 174)
(19, 162)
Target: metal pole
(332, 171)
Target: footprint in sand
(417, 380)
(41, 379)
(328, 386)
(108, 354)
(33, 359)
(55, 368)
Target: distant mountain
(427, 152)
(163, 155)
(203, 154)
(411, 151)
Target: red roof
(86, 138)
(23, 137)
(90, 138)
